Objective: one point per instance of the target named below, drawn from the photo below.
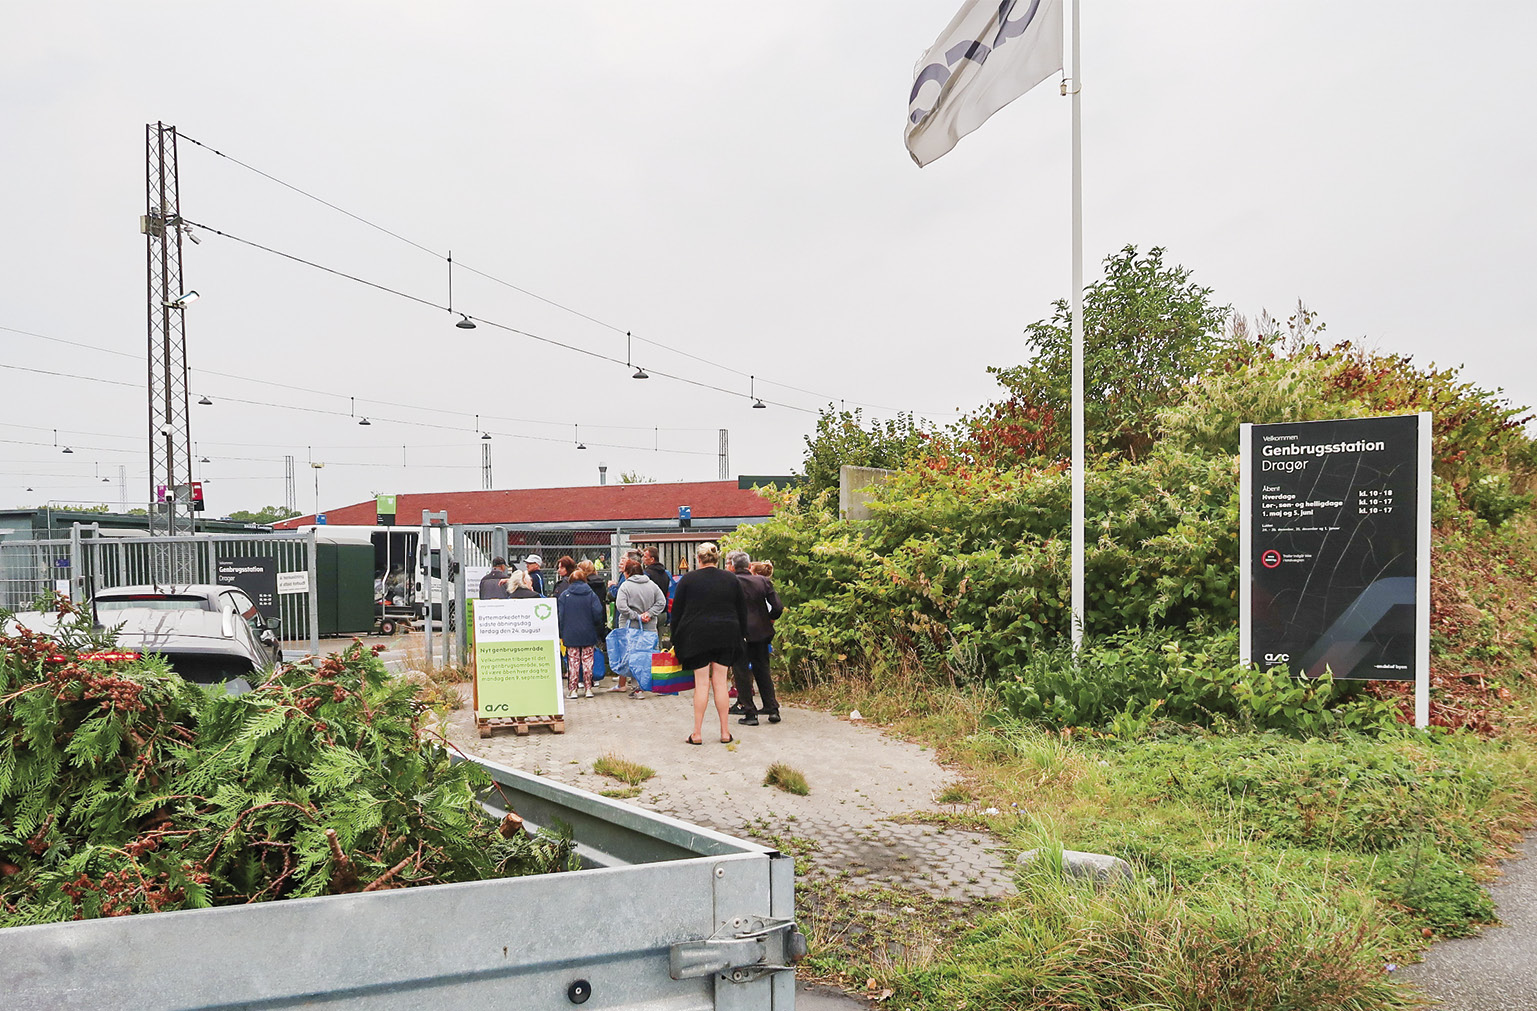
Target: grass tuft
(788, 779)
(955, 793)
(623, 769)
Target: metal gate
(476, 545)
(89, 561)
(29, 569)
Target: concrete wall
(855, 485)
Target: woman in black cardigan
(709, 623)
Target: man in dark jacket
(493, 584)
(531, 565)
(763, 607)
(658, 574)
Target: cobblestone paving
(860, 780)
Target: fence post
(445, 603)
(314, 603)
(424, 563)
(461, 609)
(76, 570)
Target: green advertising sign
(517, 663)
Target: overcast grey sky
(728, 180)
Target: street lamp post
(316, 467)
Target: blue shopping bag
(614, 646)
(629, 653)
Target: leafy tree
(97, 508)
(1148, 331)
(843, 439)
(266, 514)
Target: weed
(1438, 892)
(955, 793)
(788, 779)
(622, 769)
(798, 847)
(622, 793)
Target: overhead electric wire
(318, 266)
(305, 193)
(332, 393)
(70, 375)
(535, 295)
(489, 322)
(344, 414)
(376, 418)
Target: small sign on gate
(293, 582)
(257, 576)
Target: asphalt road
(1496, 971)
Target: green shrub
(1123, 683)
(961, 574)
(125, 789)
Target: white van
(402, 565)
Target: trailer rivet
(579, 991)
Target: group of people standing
(721, 622)
(500, 584)
(640, 597)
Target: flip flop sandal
(729, 739)
(690, 740)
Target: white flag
(991, 53)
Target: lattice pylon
(169, 434)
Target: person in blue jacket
(580, 614)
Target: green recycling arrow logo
(541, 611)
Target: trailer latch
(742, 950)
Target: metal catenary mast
(170, 438)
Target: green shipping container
(344, 574)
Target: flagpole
(1077, 309)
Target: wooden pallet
(520, 724)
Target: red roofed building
(717, 506)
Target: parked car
(209, 634)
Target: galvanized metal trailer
(665, 916)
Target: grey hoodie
(637, 595)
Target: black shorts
(726, 656)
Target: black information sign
(1335, 547)
(258, 577)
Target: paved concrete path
(859, 777)
(1496, 971)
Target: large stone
(1101, 868)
